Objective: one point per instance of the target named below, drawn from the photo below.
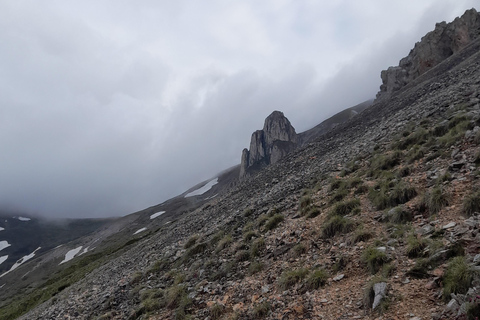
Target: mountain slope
(382, 199)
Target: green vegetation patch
(458, 277)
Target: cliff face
(274, 141)
(434, 47)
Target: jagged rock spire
(269, 145)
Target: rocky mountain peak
(437, 45)
(269, 145)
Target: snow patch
(209, 198)
(4, 244)
(140, 230)
(2, 228)
(153, 216)
(203, 189)
(84, 251)
(23, 219)
(3, 259)
(71, 254)
(21, 261)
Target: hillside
(378, 217)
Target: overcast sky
(108, 107)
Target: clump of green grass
(299, 249)
(305, 202)
(383, 162)
(317, 279)
(290, 278)
(458, 277)
(274, 221)
(312, 212)
(418, 137)
(249, 235)
(217, 237)
(337, 224)
(174, 296)
(216, 311)
(415, 153)
(196, 249)
(255, 267)
(152, 299)
(261, 310)
(222, 244)
(471, 204)
(344, 208)
(457, 128)
(191, 241)
(337, 184)
(421, 269)
(403, 172)
(242, 255)
(361, 235)
(374, 259)
(257, 247)
(383, 196)
(415, 246)
(339, 195)
(435, 200)
(248, 212)
(398, 215)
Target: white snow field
(21, 261)
(155, 215)
(203, 189)
(2, 228)
(23, 219)
(4, 244)
(140, 230)
(3, 259)
(71, 254)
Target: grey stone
(380, 290)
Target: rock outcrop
(433, 48)
(269, 145)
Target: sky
(108, 107)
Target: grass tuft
(337, 224)
(374, 259)
(458, 277)
(290, 278)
